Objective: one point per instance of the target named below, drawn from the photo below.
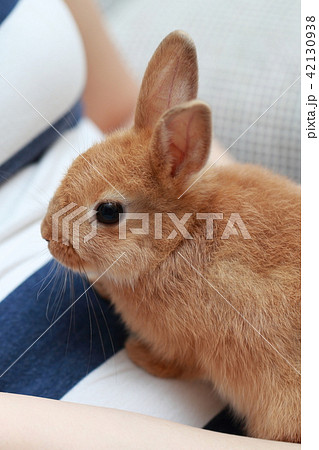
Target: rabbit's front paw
(143, 357)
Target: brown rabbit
(226, 309)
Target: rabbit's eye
(109, 212)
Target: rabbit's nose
(46, 230)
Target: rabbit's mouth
(67, 256)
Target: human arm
(31, 423)
(111, 91)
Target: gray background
(249, 54)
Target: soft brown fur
(207, 316)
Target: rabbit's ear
(181, 141)
(171, 78)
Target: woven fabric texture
(248, 56)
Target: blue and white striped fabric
(49, 348)
(42, 75)
(6, 7)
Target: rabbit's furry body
(222, 310)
